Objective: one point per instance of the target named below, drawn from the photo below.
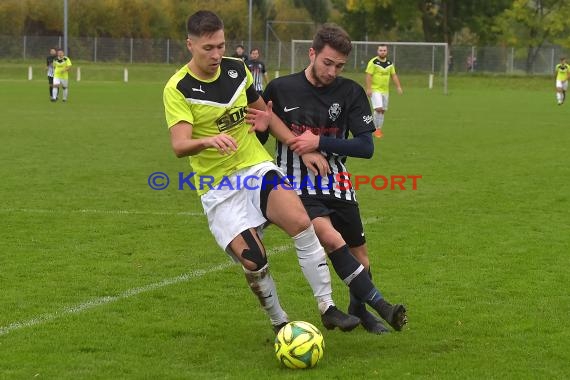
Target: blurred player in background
(61, 65)
(240, 53)
(257, 69)
(561, 71)
(49, 69)
(378, 73)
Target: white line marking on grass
(91, 211)
(79, 308)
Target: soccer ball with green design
(299, 345)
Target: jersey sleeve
(68, 62)
(360, 118)
(175, 107)
(370, 67)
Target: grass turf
(102, 277)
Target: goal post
(429, 58)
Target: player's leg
(50, 81)
(250, 252)
(355, 276)
(346, 222)
(64, 84)
(54, 91)
(559, 92)
(282, 207)
(378, 105)
(564, 89)
(233, 220)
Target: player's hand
(400, 90)
(317, 163)
(258, 119)
(369, 93)
(305, 143)
(225, 144)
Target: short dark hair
(334, 36)
(203, 22)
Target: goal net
(429, 59)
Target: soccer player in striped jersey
(378, 73)
(61, 66)
(49, 69)
(561, 80)
(205, 104)
(317, 111)
(258, 71)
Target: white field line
(76, 309)
(79, 308)
(92, 211)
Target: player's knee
(330, 239)
(253, 258)
(299, 223)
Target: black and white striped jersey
(257, 69)
(339, 109)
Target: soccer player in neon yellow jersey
(205, 106)
(378, 73)
(561, 80)
(61, 66)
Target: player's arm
(368, 84)
(184, 145)
(396, 80)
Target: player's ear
(189, 44)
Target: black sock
(354, 275)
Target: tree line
(518, 23)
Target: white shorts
(379, 100)
(58, 81)
(563, 84)
(234, 209)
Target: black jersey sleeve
(360, 119)
(360, 146)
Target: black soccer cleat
(277, 328)
(333, 318)
(397, 317)
(369, 321)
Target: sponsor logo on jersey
(231, 118)
(286, 109)
(232, 74)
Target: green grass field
(103, 278)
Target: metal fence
(277, 54)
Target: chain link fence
(276, 54)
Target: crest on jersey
(233, 74)
(334, 111)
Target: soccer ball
(299, 345)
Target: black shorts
(344, 216)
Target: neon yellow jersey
(381, 72)
(59, 66)
(562, 72)
(212, 107)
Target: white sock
(54, 93)
(313, 261)
(65, 94)
(262, 285)
(380, 120)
